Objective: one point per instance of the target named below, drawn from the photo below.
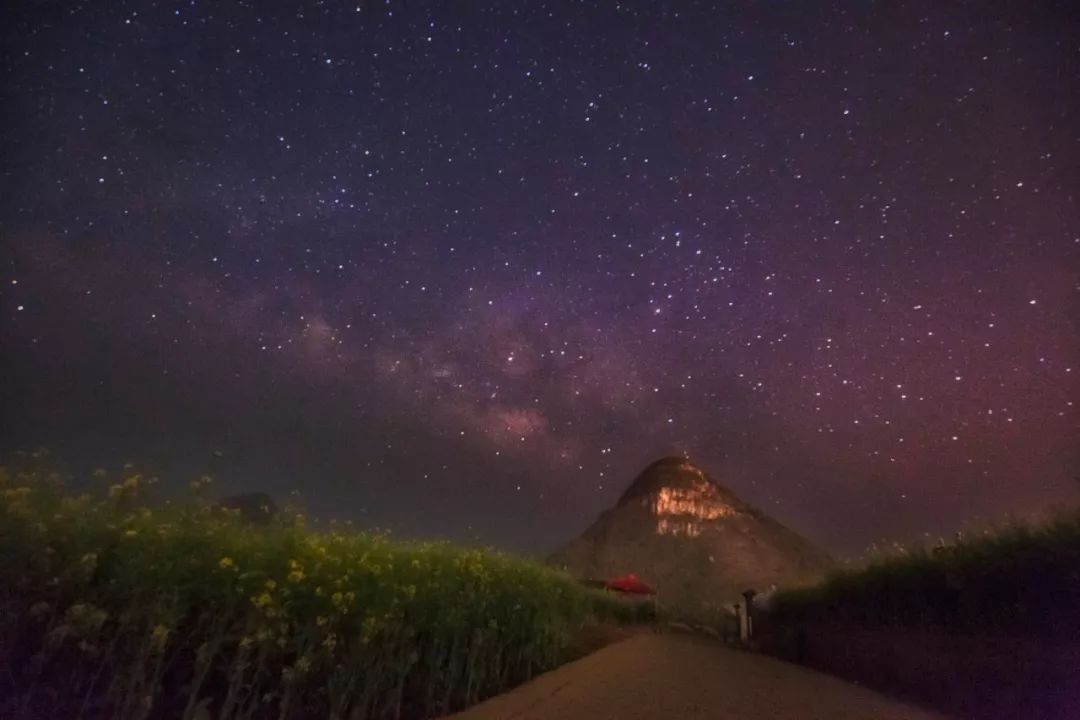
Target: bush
(1022, 579)
(109, 608)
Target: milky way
(462, 272)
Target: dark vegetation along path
(659, 676)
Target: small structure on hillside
(629, 585)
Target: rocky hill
(693, 540)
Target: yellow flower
(39, 609)
(201, 482)
(86, 617)
(262, 601)
(131, 532)
(225, 563)
(158, 637)
(296, 576)
(367, 630)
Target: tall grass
(109, 608)
(1020, 580)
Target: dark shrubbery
(110, 609)
(1020, 580)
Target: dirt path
(662, 676)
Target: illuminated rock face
(676, 526)
(679, 511)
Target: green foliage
(1022, 579)
(109, 608)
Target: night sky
(462, 272)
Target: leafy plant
(1019, 579)
(111, 608)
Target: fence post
(746, 628)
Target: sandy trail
(662, 676)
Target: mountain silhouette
(693, 540)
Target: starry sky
(462, 269)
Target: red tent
(629, 584)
